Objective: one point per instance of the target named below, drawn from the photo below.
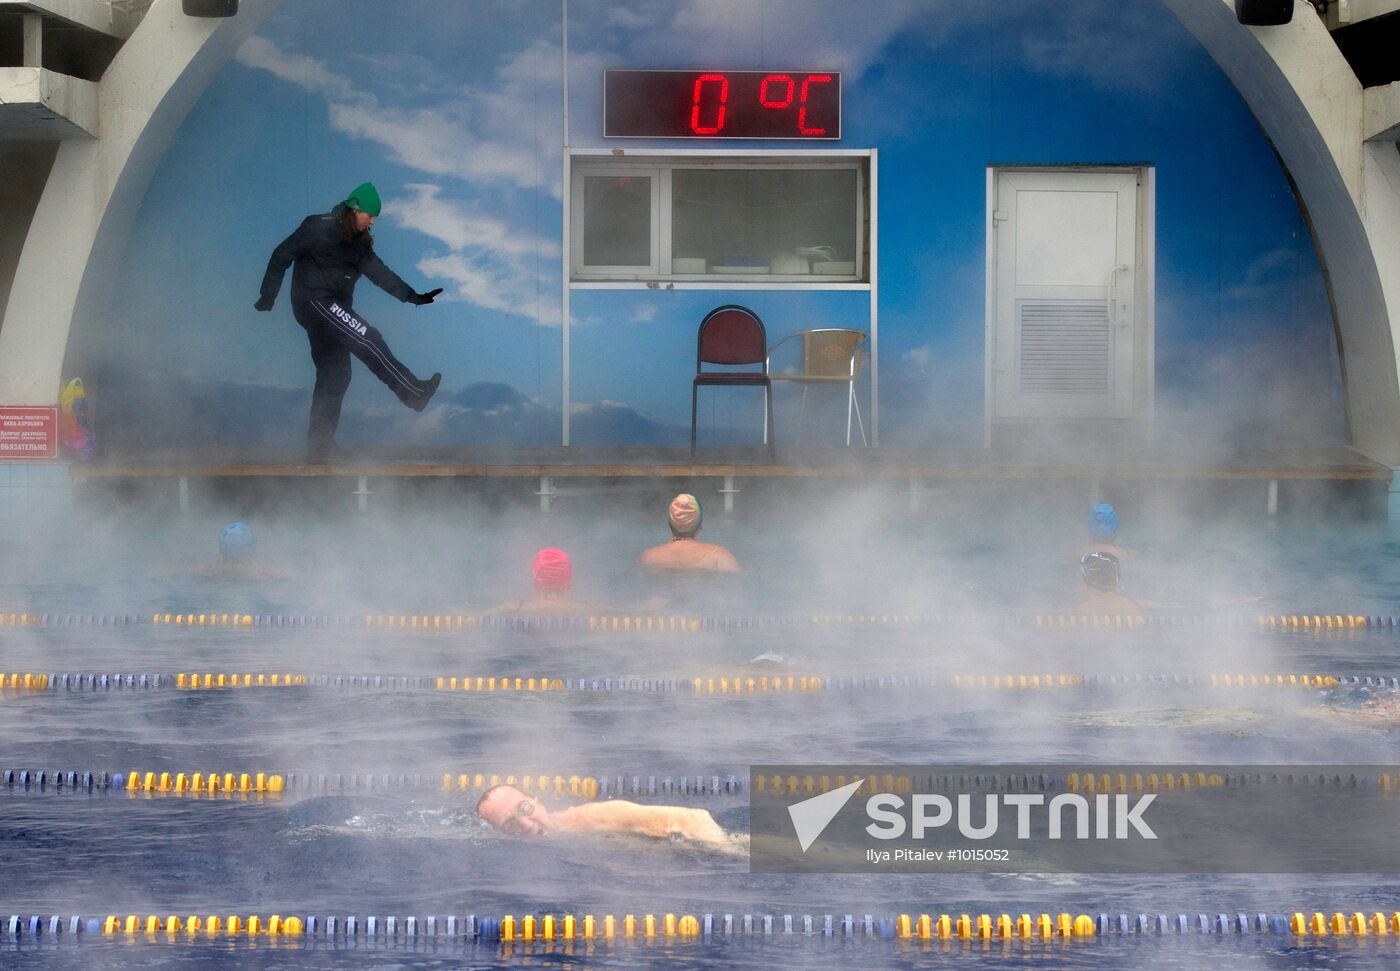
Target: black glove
(264, 304)
(421, 298)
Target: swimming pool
(404, 850)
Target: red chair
(732, 335)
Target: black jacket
(327, 267)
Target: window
(758, 220)
(619, 221)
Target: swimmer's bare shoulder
(691, 555)
(236, 571)
(552, 608)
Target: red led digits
(801, 104)
(700, 83)
(802, 111)
(768, 102)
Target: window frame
(661, 164)
(628, 271)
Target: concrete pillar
(71, 253)
(32, 53)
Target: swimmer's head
(511, 811)
(553, 571)
(236, 542)
(684, 516)
(1103, 523)
(1100, 571)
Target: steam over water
(806, 552)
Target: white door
(1062, 339)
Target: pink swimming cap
(685, 514)
(553, 571)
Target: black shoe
(430, 389)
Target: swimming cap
(685, 515)
(364, 198)
(1100, 571)
(553, 571)
(236, 541)
(1103, 522)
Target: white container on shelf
(790, 263)
(835, 267)
(688, 264)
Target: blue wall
(454, 110)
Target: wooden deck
(1317, 464)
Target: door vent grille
(1066, 347)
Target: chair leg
(855, 402)
(768, 418)
(694, 398)
(801, 416)
(850, 401)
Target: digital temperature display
(722, 104)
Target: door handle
(1112, 301)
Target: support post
(362, 493)
(32, 54)
(1273, 497)
(729, 491)
(1393, 506)
(545, 492)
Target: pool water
(420, 851)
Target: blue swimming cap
(1103, 522)
(236, 541)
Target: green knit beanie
(365, 198)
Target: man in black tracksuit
(331, 251)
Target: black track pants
(336, 332)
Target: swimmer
(511, 811)
(237, 544)
(553, 594)
(685, 552)
(1103, 531)
(1098, 587)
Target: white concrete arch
(1293, 78)
(1309, 103)
(68, 264)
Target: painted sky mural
(455, 111)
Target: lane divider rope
(551, 929)
(589, 786)
(243, 784)
(737, 684)
(1315, 623)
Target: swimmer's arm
(659, 822)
